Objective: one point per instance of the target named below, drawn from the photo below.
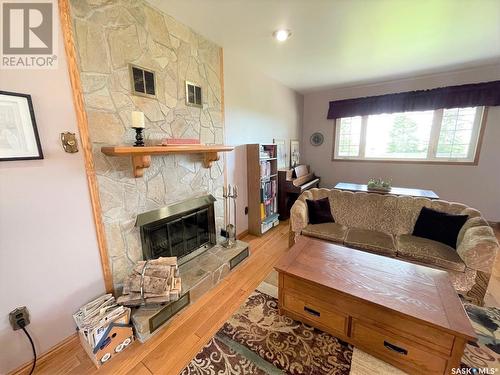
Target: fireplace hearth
(187, 231)
(184, 229)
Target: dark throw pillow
(319, 211)
(439, 226)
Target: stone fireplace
(110, 35)
(177, 207)
(183, 230)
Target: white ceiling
(344, 42)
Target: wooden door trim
(83, 129)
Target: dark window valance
(471, 95)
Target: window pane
(399, 135)
(456, 133)
(349, 136)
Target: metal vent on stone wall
(193, 95)
(143, 81)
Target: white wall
(257, 109)
(476, 186)
(49, 259)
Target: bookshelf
(262, 170)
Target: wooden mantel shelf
(141, 156)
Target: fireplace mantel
(141, 156)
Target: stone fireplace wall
(109, 35)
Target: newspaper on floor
(93, 318)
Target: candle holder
(139, 139)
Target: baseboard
(45, 356)
(242, 234)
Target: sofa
(383, 224)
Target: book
(180, 141)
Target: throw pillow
(319, 211)
(439, 226)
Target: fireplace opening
(184, 229)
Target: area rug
(485, 353)
(257, 340)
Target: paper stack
(94, 318)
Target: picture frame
(19, 139)
(294, 153)
(281, 153)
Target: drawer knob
(395, 348)
(312, 312)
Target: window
(444, 135)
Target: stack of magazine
(94, 318)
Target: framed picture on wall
(19, 138)
(294, 153)
(281, 153)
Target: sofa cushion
(326, 231)
(365, 239)
(319, 211)
(439, 226)
(429, 252)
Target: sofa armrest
(298, 216)
(478, 248)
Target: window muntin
(449, 135)
(457, 130)
(349, 136)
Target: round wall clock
(317, 139)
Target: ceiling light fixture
(282, 35)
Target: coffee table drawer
(316, 311)
(436, 339)
(393, 348)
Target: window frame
(472, 159)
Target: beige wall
(476, 186)
(257, 109)
(49, 259)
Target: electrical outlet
(246, 210)
(19, 318)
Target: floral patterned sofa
(383, 224)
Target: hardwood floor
(175, 345)
(171, 349)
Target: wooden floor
(171, 349)
(175, 345)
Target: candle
(137, 119)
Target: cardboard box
(115, 340)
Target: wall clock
(317, 139)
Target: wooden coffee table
(405, 314)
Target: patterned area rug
(257, 340)
(486, 352)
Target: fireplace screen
(178, 230)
